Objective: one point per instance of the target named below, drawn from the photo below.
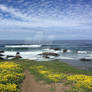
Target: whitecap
(23, 46)
(82, 52)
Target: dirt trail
(31, 85)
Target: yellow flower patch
(10, 76)
(40, 67)
(10, 87)
(43, 71)
(81, 80)
(8, 65)
(55, 77)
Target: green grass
(53, 66)
(52, 89)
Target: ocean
(76, 49)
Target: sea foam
(22, 46)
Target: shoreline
(85, 65)
(35, 55)
(72, 62)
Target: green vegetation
(11, 77)
(55, 66)
(59, 72)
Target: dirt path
(31, 85)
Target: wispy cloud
(46, 15)
(65, 18)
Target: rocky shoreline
(55, 53)
(2, 56)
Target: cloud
(74, 15)
(46, 15)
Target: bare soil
(31, 85)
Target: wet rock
(90, 68)
(55, 48)
(1, 51)
(9, 56)
(17, 55)
(1, 58)
(65, 50)
(85, 59)
(46, 54)
(46, 57)
(1, 55)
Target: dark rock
(90, 68)
(9, 56)
(56, 48)
(18, 53)
(13, 57)
(1, 55)
(46, 54)
(17, 57)
(1, 58)
(46, 57)
(65, 50)
(1, 51)
(84, 59)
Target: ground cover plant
(59, 72)
(56, 72)
(11, 76)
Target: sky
(45, 19)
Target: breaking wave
(22, 46)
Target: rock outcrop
(48, 54)
(85, 59)
(55, 49)
(65, 50)
(1, 55)
(1, 51)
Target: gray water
(76, 49)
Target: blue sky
(46, 19)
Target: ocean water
(76, 49)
